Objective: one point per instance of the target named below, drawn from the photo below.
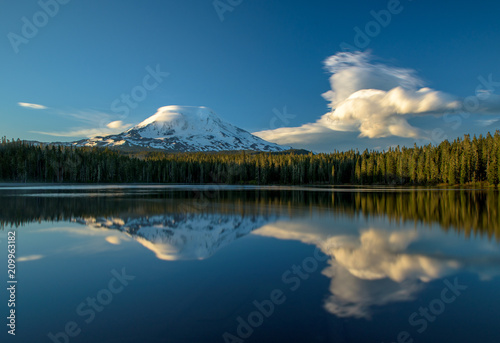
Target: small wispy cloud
(115, 240)
(96, 123)
(32, 106)
(87, 116)
(29, 258)
(92, 132)
(117, 124)
(488, 122)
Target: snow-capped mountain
(184, 128)
(182, 236)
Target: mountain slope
(184, 128)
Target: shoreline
(317, 187)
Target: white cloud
(352, 72)
(488, 122)
(115, 240)
(32, 106)
(81, 132)
(378, 113)
(29, 258)
(295, 135)
(375, 100)
(102, 120)
(117, 124)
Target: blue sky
(259, 64)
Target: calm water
(180, 264)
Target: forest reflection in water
(468, 212)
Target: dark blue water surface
(218, 264)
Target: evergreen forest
(463, 161)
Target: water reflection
(383, 247)
(379, 264)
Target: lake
(250, 264)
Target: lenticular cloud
(352, 72)
(373, 99)
(377, 99)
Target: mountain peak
(184, 128)
(173, 113)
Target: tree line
(464, 161)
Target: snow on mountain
(182, 236)
(184, 128)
